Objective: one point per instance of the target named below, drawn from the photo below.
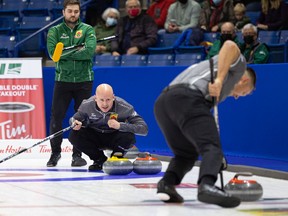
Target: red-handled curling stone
(146, 164)
(246, 190)
(117, 166)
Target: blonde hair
(274, 5)
(240, 8)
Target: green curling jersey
(75, 65)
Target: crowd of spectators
(138, 28)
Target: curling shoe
(214, 195)
(167, 193)
(77, 161)
(55, 157)
(96, 166)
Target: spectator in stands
(273, 15)
(136, 32)
(74, 74)
(106, 28)
(214, 13)
(182, 14)
(95, 9)
(105, 121)
(158, 11)
(254, 51)
(240, 18)
(227, 33)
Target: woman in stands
(105, 28)
(273, 15)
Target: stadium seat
(183, 45)
(12, 7)
(269, 37)
(283, 36)
(253, 6)
(107, 60)
(277, 53)
(38, 8)
(160, 60)
(34, 22)
(187, 59)
(56, 9)
(253, 15)
(8, 24)
(276, 49)
(7, 46)
(34, 46)
(201, 50)
(284, 40)
(165, 43)
(3, 53)
(133, 60)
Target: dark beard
(71, 23)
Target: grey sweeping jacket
(92, 117)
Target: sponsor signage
(21, 99)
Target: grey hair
(108, 10)
(138, 2)
(249, 26)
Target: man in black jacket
(136, 32)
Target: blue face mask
(111, 21)
(216, 2)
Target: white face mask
(111, 21)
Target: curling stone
(145, 164)
(246, 190)
(117, 166)
(132, 153)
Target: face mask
(183, 1)
(248, 39)
(111, 21)
(134, 12)
(216, 2)
(225, 37)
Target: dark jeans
(92, 142)
(187, 123)
(63, 94)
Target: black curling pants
(92, 142)
(63, 94)
(188, 125)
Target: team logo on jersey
(64, 36)
(78, 34)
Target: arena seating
(160, 60)
(7, 46)
(21, 18)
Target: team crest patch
(78, 34)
